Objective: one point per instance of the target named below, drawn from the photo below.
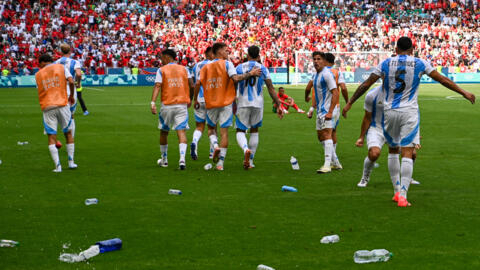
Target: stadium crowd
(118, 33)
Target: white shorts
(173, 117)
(201, 113)
(401, 127)
(53, 117)
(222, 116)
(322, 123)
(336, 116)
(248, 117)
(375, 138)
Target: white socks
(328, 145)
(164, 150)
(334, 152)
(406, 172)
(70, 152)
(367, 168)
(72, 127)
(242, 141)
(213, 140)
(394, 169)
(54, 153)
(223, 154)
(253, 144)
(183, 149)
(197, 134)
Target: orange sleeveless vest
(218, 87)
(175, 88)
(52, 86)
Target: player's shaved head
(253, 52)
(65, 48)
(330, 58)
(218, 46)
(171, 53)
(404, 44)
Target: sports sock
(328, 147)
(197, 134)
(242, 141)
(72, 127)
(70, 152)
(367, 168)
(295, 106)
(183, 149)
(164, 150)
(334, 153)
(54, 153)
(253, 143)
(394, 169)
(407, 171)
(223, 154)
(213, 140)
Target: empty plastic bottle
(91, 201)
(109, 245)
(174, 192)
(288, 188)
(8, 243)
(294, 163)
(330, 239)
(264, 267)
(208, 166)
(376, 255)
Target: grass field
(234, 219)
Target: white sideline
(96, 89)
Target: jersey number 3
(398, 79)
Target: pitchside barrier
(358, 76)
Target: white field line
(96, 89)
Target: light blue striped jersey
(401, 77)
(71, 65)
(374, 104)
(323, 84)
(250, 91)
(196, 78)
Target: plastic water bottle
(288, 188)
(92, 251)
(294, 163)
(91, 201)
(109, 245)
(330, 239)
(174, 192)
(8, 243)
(376, 255)
(208, 166)
(264, 267)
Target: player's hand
(418, 146)
(279, 111)
(346, 109)
(71, 100)
(255, 72)
(307, 99)
(469, 96)
(328, 116)
(189, 104)
(359, 142)
(153, 108)
(77, 84)
(310, 112)
(196, 105)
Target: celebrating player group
(218, 90)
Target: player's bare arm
(344, 89)
(71, 84)
(78, 77)
(451, 85)
(333, 103)
(308, 89)
(274, 96)
(156, 89)
(241, 77)
(362, 88)
(367, 119)
(191, 87)
(196, 90)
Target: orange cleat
(246, 161)
(402, 202)
(395, 197)
(216, 155)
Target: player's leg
(242, 123)
(256, 119)
(394, 170)
(295, 106)
(324, 134)
(212, 118)
(375, 142)
(180, 124)
(182, 139)
(68, 127)
(391, 131)
(414, 157)
(336, 165)
(50, 123)
(82, 103)
(225, 120)
(163, 117)
(406, 171)
(200, 119)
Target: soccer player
(201, 112)
(218, 80)
(80, 99)
(175, 84)
(250, 105)
(52, 86)
(286, 102)
(401, 123)
(326, 97)
(75, 68)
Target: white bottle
(376, 255)
(91, 201)
(294, 163)
(330, 239)
(208, 166)
(174, 192)
(264, 267)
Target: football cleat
(72, 166)
(86, 113)
(301, 111)
(181, 165)
(162, 162)
(396, 196)
(246, 160)
(251, 164)
(216, 155)
(414, 182)
(219, 167)
(58, 169)
(336, 165)
(402, 202)
(324, 169)
(362, 183)
(193, 151)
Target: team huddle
(215, 87)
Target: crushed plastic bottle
(294, 163)
(174, 192)
(376, 255)
(91, 201)
(289, 189)
(8, 243)
(22, 143)
(92, 251)
(208, 166)
(330, 239)
(109, 245)
(264, 267)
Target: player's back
(219, 88)
(70, 63)
(52, 86)
(323, 83)
(401, 79)
(175, 87)
(250, 91)
(374, 104)
(196, 77)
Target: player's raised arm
(362, 88)
(240, 77)
(274, 96)
(308, 89)
(445, 81)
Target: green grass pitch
(234, 219)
